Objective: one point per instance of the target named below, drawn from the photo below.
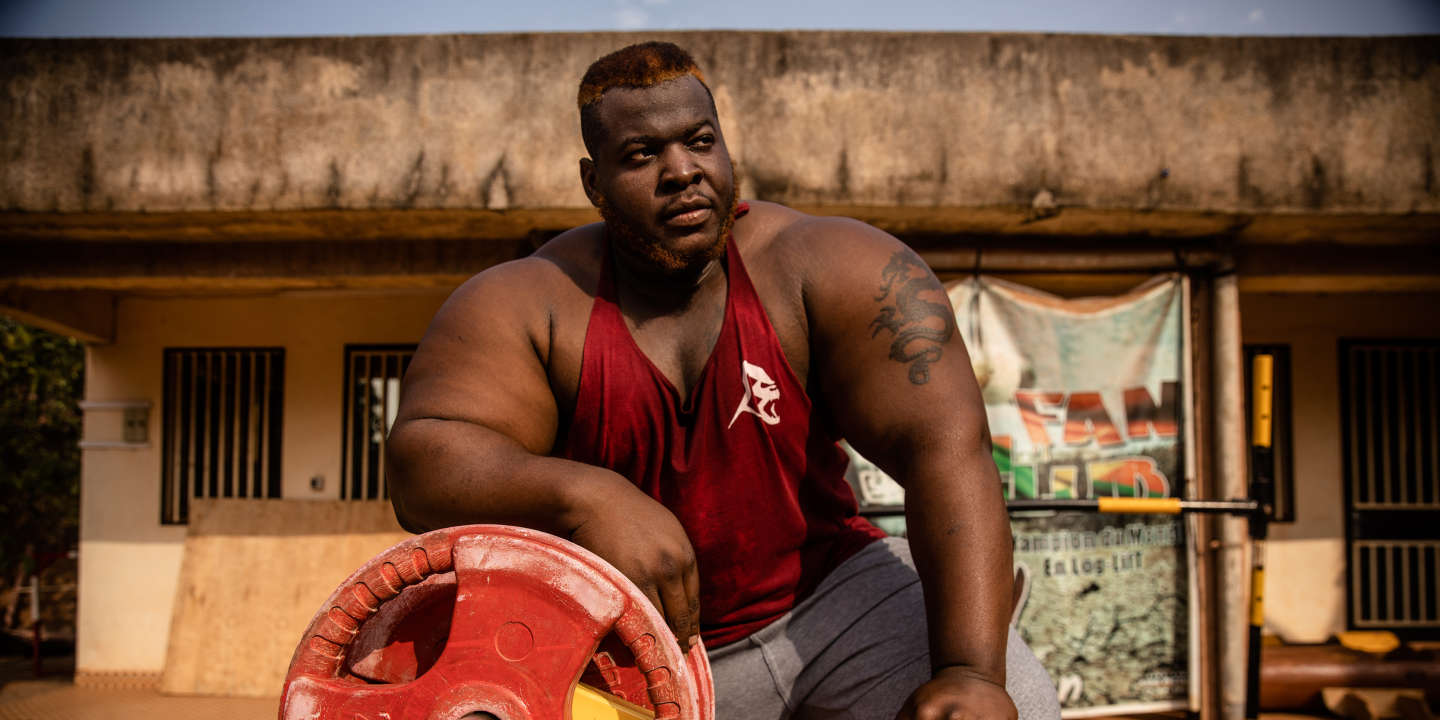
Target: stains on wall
(412, 184)
(443, 186)
(1155, 189)
(333, 189)
(1427, 170)
(86, 180)
(1249, 196)
(495, 190)
(1314, 184)
(212, 186)
(768, 186)
(879, 119)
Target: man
(666, 389)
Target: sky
(190, 18)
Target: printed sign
(1083, 399)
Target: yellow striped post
(1262, 373)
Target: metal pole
(1231, 476)
(35, 621)
(1205, 676)
(1140, 506)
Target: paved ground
(51, 700)
(55, 697)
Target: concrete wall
(129, 562)
(928, 120)
(205, 165)
(1305, 560)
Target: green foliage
(41, 376)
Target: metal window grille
(1398, 583)
(222, 426)
(1392, 426)
(372, 398)
(1390, 398)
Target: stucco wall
(1305, 560)
(817, 118)
(129, 562)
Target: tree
(41, 384)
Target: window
(222, 426)
(1390, 432)
(372, 397)
(1282, 455)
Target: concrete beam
(1327, 267)
(88, 315)
(248, 252)
(466, 224)
(250, 265)
(1237, 126)
(290, 225)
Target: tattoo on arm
(919, 327)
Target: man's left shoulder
(785, 235)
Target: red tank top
(757, 482)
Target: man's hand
(646, 543)
(958, 693)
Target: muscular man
(666, 389)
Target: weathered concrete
(912, 120)
(253, 165)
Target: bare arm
(476, 422)
(897, 379)
(477, 417)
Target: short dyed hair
(638, 66)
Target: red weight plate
(493, 619)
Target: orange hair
(637, 66)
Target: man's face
(661, 175)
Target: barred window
(372, 397)
(1390, 410)
(222, 426)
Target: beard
(627, 237)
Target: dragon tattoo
(919, 327)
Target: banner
(1084, 400)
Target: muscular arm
(477, 417)
(476, 422)
(895, 374)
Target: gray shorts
(856, 648)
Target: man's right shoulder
(564, 270)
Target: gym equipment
(492, 622)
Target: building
(249, 234)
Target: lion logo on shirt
(761, 392)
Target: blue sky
(160, 18)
